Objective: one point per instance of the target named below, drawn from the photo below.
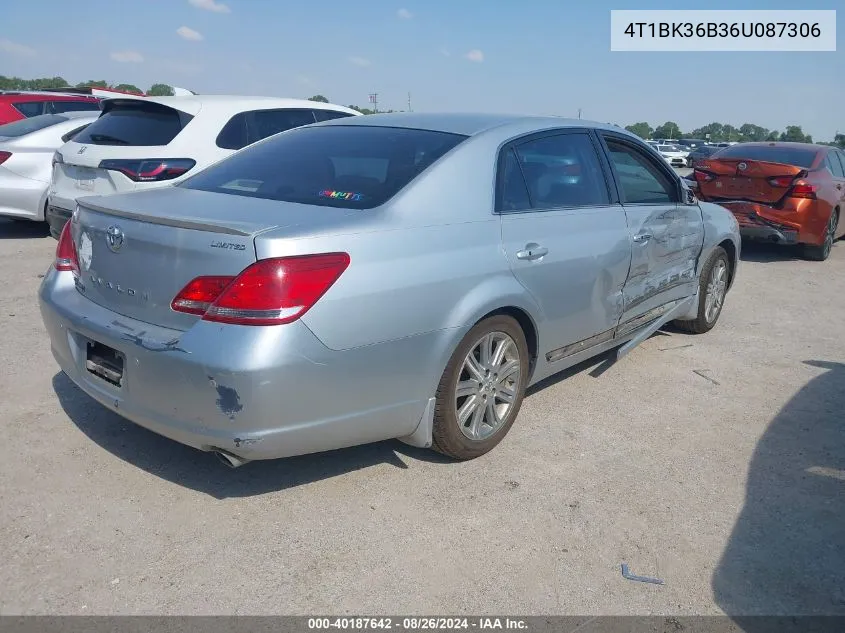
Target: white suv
(142, 142)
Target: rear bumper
(257, 393)
(762, 222)
(56, 218)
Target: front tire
(481, 390)
(713, 287)
(822, 252)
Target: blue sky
(535, 56)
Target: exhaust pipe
(232, 461)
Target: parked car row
(133, 143)
(262, 278)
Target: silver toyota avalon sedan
(389, 276)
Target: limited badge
(86, 251)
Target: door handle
(532, 251)
(642, 238)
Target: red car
(15, 106)
(789, 193)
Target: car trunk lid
(137, 251)
(745, 180)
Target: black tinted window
(841, 157)
(137, 124)
(797, 156)
(642, 181)
(73, 106)
(234, 133)
(562, 171)
(358, 167)
(833, 164)
(264, 123)
(513, 192)
(27, 126)
(327, 115)
(73, 133)
(29, 108)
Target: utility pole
(579, 113)
(409, 102)
(374, 101)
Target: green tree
(160, 90)
(318, 98)
(774, 135)
(128, 88)
(100, 83)
(641, 129)
(715, 130)
(795, 134)
(669, 129)
(751, 132)
(839, 140)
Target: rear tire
(713, 288)
(822, 252)
(481, 390)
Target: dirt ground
(714, 462)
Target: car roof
(228, 104)
(468, 123)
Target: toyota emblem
(114, 238)
(742, 166)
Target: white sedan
(673, 155)
(26, 152)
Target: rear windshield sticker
(341, 195)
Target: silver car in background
(390, 276)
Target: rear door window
(356, 166)
(234, 134)
(29, 108)
(135, 123)
(57, 107)
(264, 123)
(562, 171)
(833, 165)
(328, 115)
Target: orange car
(790, 193)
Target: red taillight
(199, 294)
(66, 259)
(4, 156)
(781, 181)
(269, 292)
(149, 169)
(703, 176)
(803, 190)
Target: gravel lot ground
(714, 462)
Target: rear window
(73, 106)
(29, 108)
(797, 156)
(136, 124)
(27, 126)
(356, 167)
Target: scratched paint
(228, 400)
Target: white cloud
(13, 48)
(359, 61)
(404, 14)
(188, 33)
(475, 55)
(210, 5)
(445, 52)
(127, 57)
